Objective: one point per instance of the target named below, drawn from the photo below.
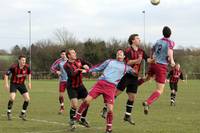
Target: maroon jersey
(75, 76)
(174, 75)
(131, 54)
(18, 74)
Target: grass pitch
(43, 111)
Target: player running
(112, 70)
(57, 68)
(173, 77)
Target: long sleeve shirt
(58, 65)
(113, 70)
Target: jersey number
(159, 49)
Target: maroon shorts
(106, 89)
(159, 71)
(62, 86)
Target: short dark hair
(62, 51)
(132, 37)
(21, 56)
(68, 50)
(166, 31)
(120, 50)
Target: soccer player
(57, 68)
(133, 57)
(75, 88)
(173, 77)
(113, 70)
(19, 73)
(162, 52)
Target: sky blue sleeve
(100, 67)
(54, 66)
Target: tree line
(45, 52)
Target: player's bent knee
(110, 110)
(12, 99)
(74, 105)
(131, 96)
(160, 91)
(28, 99)
(88, 99)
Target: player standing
(19, 73)
(57, 68)
(162, 52)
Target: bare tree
(64, 37)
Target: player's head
(120, 55)
(177, 66)
(134, 39)
(166, 32)
(22, 60)
(63, 54)
(71, 54)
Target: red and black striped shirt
(75, 76)
(132, 54)
(174, 75)
(18, 74)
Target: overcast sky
(103, 19)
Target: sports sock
(154, 96)
(72, 113)
(173, 96)
(61, 100)
(84, 112)
(82, 109)
(10, 104)
(24, 107)
(109, 120)
(129, 106)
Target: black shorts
(129, 82)
(79, 92)
(20, 87)
(173, 86)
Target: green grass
(43, 117)
(6, 57)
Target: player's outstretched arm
(136, 61)
(101, 67)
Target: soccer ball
(155, 2)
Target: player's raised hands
(86, 67)
(82, 70)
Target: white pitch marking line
(52, 122)
(43, 121)
(47, 131)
